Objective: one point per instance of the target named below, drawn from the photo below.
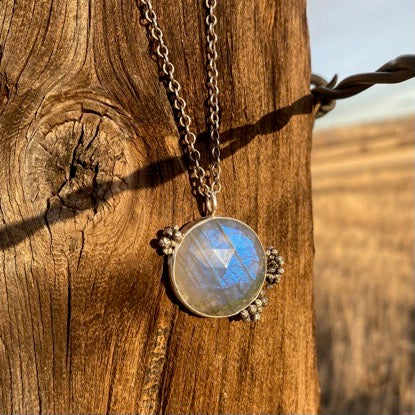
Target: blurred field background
(363, 199)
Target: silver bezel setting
(171, 264)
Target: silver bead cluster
(273, 276)
(169, 239)
(254, 310)
(274, 267)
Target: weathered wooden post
(90, 165)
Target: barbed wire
(326, 93)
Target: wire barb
(397, 70)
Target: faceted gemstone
(219, 267)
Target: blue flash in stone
(219, 267)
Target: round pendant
(218, 268)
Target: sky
(355, 36)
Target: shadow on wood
(234, 138)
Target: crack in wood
(152, 375)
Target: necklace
(217, 265)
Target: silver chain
(208, 181)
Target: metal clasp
(211, 203)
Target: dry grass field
(363, 182)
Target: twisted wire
(326, 93)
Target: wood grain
(91, 169)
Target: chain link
(208, 181)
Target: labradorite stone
(219, 267)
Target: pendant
(219, 268)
